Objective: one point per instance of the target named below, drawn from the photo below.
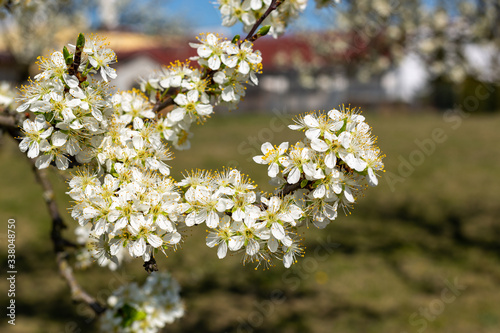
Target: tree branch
(163, 104)
(273, 6)
(8, 122)
(289, 188)
(77, 292)
(77, 58)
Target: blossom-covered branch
(125, 193)
(124, 200)
(275, 13)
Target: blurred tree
(29, 28)
(32, 27)
(373, 36)
(138, 16)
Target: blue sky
(203, 15)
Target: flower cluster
(131, 208)
(147, 308)
(330, 166)
(225, 67)
(233, 63)
(70, 110)
(240, 221)
(249, 11)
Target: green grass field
(419, 253)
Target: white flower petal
(288, 259)
(330, 160)
(44, 161)
(204, 51)
(319, 145)
(222, 250)
(266, 147)
(277, 230)
(59, 139)
(243, 67)
(252, 247)
(313, 133)
(294, 176)
(71, 80)
(164, 223)
(236, 242)
(319, 192)
(214, 62)
(177, 114)
(212, 220)
(348, 195)
(259, 159)
(310, 121)
(154, 240)
(372, 178)
(272, 244)
(34, 149)
(273, 170)
(139, 247)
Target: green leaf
(68, 57)
(303, 183)
(235, 39)
(80, 42)
(264, 30)
(129, 315)
(140, 315)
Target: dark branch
(77, 292)
(274, 5)
(8, 122)
(77, 59)
(289, 188)
(163, 104)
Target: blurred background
(419, 253)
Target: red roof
(276, 53)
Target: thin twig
(273, 6)
(289, 188)
(163, 104)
